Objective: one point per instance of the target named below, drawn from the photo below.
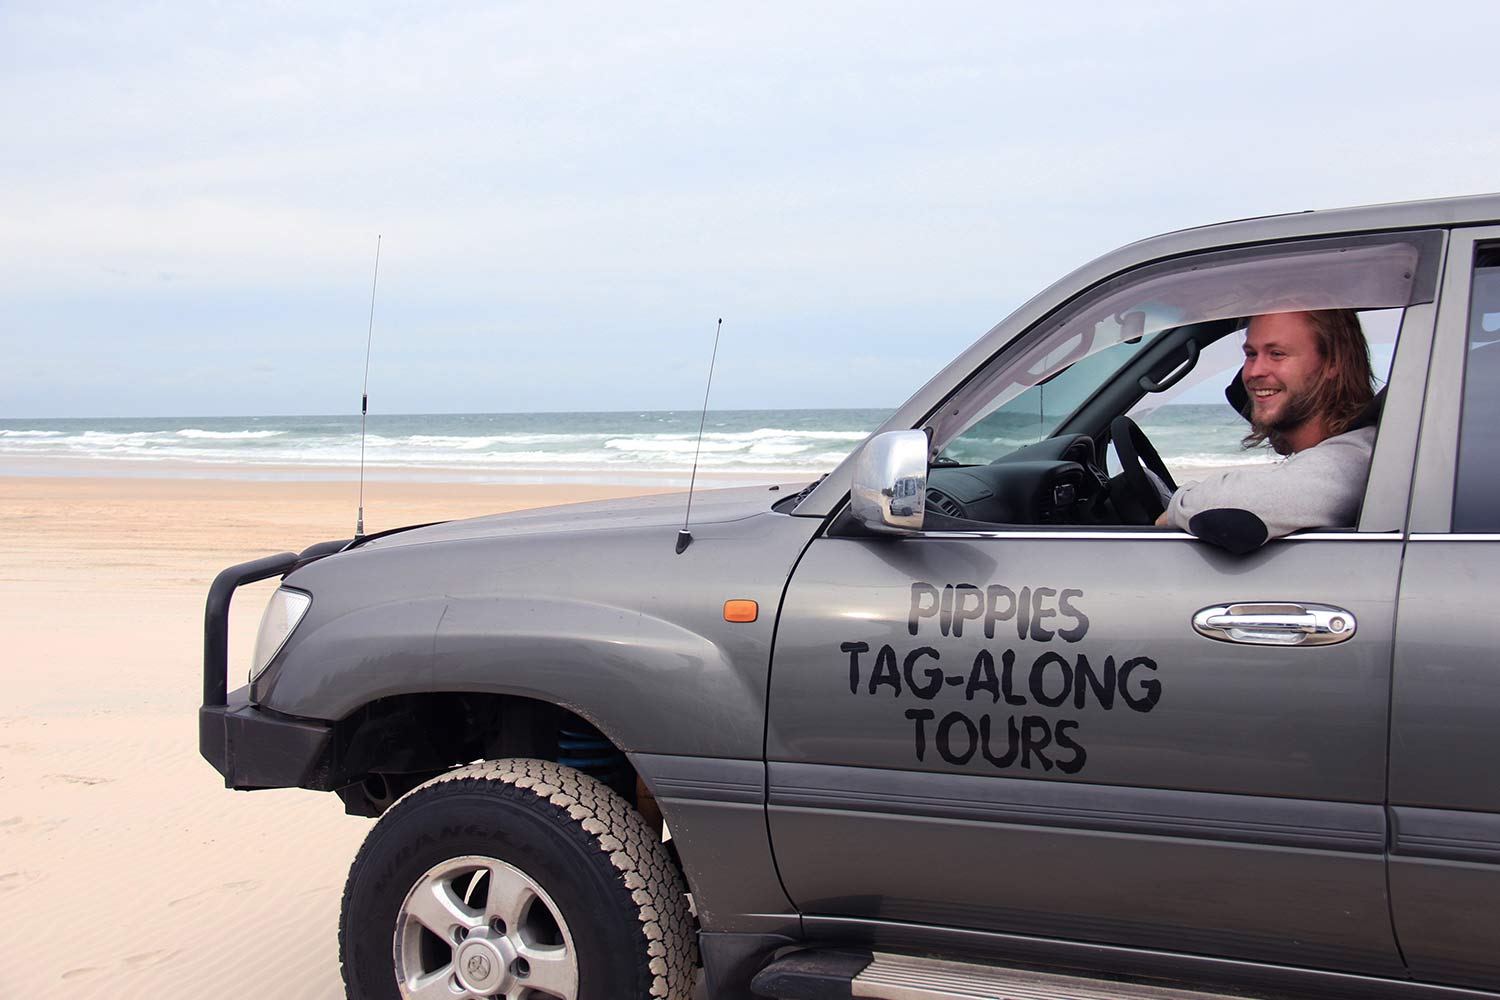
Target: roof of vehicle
(1386, 215)
(1437, 213)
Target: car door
(1020, 732)
(1445, 770)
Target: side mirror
(890, 482)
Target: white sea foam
(451, 441)
(118, 437)
(766, 442)
(468, 442)
(194, 432)
(670, 445)
(1216, 460)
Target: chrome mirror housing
(890, 482)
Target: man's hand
(1161, 522)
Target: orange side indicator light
(741, 611)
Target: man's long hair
(1348, 383)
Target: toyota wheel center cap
(482, 967)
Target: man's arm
(1242, 509)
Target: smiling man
(1310, 389)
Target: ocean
(625, 447)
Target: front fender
(617, 627)
(646, 683)
(628, 673)
(337, 660)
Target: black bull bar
(250, 746)
(216, 619)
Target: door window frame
(1388, 490)
(1436, 465)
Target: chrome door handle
(1276, 624)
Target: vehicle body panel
(1444, 780)
(609, 623)
(1286, 732)
(716, 812)
(1139, 843)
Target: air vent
(944, 503)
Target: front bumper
(253, 747)
(257, 748)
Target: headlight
(282, 614)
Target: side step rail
(845, 975)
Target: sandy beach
(126, 869)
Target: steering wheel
(1140, 501)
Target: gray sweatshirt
(1242, 509)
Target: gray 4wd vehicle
(955, 721)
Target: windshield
(1037, 412)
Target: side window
(1198, 434)
(1023, 441)
(1030, 382)
(1476, 495)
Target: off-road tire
(607, 872)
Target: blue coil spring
(584, 748)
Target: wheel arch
(389, 745)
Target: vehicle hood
(658, 510)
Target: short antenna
(685, 537)
(364, 397)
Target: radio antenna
(685, 537)
(364, 397)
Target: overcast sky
(569, 195)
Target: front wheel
(520, 879)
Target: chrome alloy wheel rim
(475, 927)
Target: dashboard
(1055, 481)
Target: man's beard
(1297, 411)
